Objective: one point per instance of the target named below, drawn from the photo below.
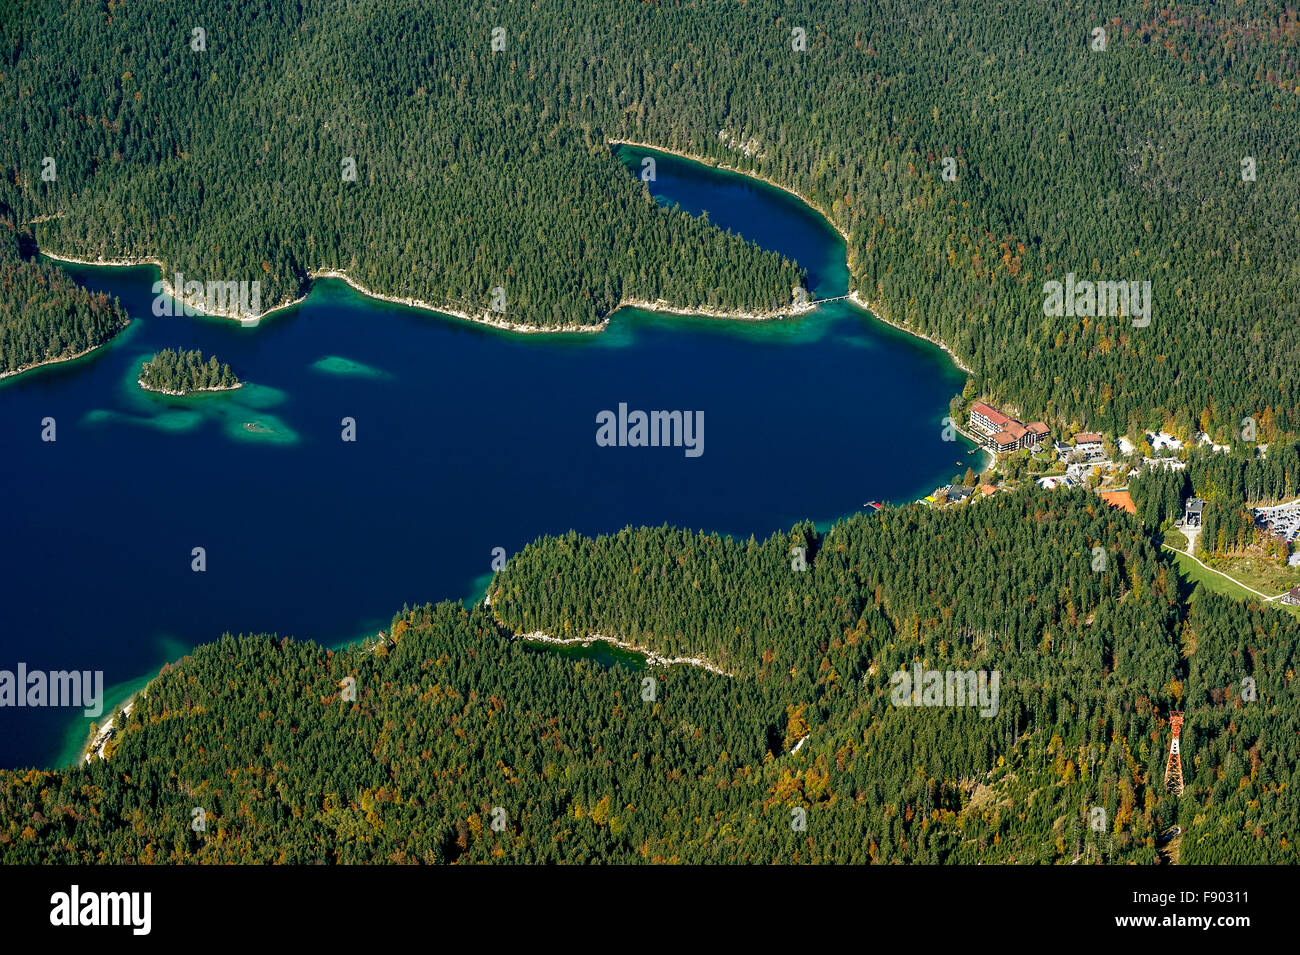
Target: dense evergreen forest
(185, 371)
(453, 719)
(373, 138)
(393, 140)
(1169, 156)
(44, 314)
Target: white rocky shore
(487, 317)
(96, 748)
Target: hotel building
(1002, 433)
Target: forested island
(185, 372)
(45, 316)
(970, 160)
(456, 724)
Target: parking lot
(1285, 519)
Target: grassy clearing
(1200, 577)
(1254, 570)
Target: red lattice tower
(1174, 768)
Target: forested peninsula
(46, 317)
(969, 159)
(454, 723)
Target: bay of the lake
(467, 439)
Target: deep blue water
(468, 439)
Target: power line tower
(1174, 768)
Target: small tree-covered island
(185, 372)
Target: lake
(467, 439)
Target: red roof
(993, 414)
(1087, 437)
(1005, 437)
(1037, 427)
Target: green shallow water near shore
(478, 589)
(336, 365)
(77, 734)
(241, 412)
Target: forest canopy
(971, 154)
(460, 742)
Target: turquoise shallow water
(468, 439)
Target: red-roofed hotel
(1004, 433)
